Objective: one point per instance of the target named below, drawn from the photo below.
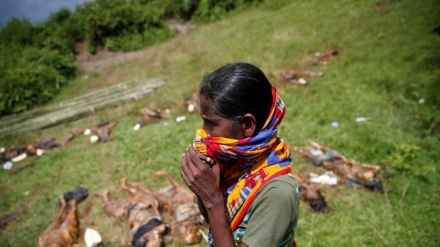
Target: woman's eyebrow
(211, 120)
(208, 115)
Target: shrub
(61, 31)
(32, 77)
(108, 21)
(210, 10)
(180, 10)
(17, 32)
(137, 41)
(36, 61)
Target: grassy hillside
(388, 60)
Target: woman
(237, 167)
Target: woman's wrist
(214, 203)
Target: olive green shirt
(273, 215)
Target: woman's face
(215, 125)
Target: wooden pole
(79, 106)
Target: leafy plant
(33, 77)
(210, 10)
(400, 158)
(108, 21)
(17, 32)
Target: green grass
(389, 60)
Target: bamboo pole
(10, 119)
(79, 106)
(57, 117)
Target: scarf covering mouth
(257, 160)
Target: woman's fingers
(185, 169)
(184, 176)
(216, 169)
(201, 161)
(199, 176)
(191, 165)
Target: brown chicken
(103, 131)
(142, 211)
(155, 215)
(311, 193)
(191, 104)
(64, 231)
(187, 220)
(71, 135)
(353, 173)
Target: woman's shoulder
(286, 181)
(278, 195)
(280, 188)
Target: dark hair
(236, 89)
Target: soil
(96, 63)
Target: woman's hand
(201, 177)
(204, 180)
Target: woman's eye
(208, 123)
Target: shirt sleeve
(272, 215)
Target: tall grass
(387, 62)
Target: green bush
(180, 10)
(137, 41)
(36, 61)
(210, 10)
(107, 21)
(32, 77)
(17, 32)
(61, 31)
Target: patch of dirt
(96, 63)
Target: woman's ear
(248, 124)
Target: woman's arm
(202, 209)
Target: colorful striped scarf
(256, 160)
